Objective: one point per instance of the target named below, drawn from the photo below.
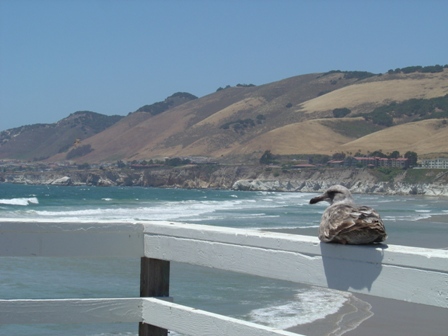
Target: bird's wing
(369, 218)
(334, 219)
(343, 219)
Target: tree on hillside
(121, 164)
(378, 153)
(267, 157)
(341, 112)
(394, 155)
(174, 162)
(338, 156)
(412, 157)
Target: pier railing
(416, 275)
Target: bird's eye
(332, 194)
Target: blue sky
(114, 56)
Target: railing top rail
(405, 273)
(425, 258)
(70, 239)
(24, 231)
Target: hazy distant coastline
(246, 178)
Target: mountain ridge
(295, 115)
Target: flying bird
(344, 222)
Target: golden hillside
(425, 137)
(382, 90)
(291, 116)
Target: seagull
(344, 222)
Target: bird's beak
(317, 199)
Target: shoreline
(349, 317)
(442, 218)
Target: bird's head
(334, 194)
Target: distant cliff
(250, 178)
(357, 180)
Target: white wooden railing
(416, 275)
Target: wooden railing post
(154, 282)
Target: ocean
(409, 220)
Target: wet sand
(436, 219)
(390, 317)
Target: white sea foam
(20, 201)
(165, 210)
(246, 210)
(159, 211)
(408, 218)
(309, 306)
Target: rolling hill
(41, 141)
(291, 116)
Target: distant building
(399, 162)
(371, 161)
(439, 163)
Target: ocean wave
(416, 216)
(164, 210)
(408, 218)
(20, 201)
(309, 306)
(148, 211)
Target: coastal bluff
(430, 182)
(360, 181)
